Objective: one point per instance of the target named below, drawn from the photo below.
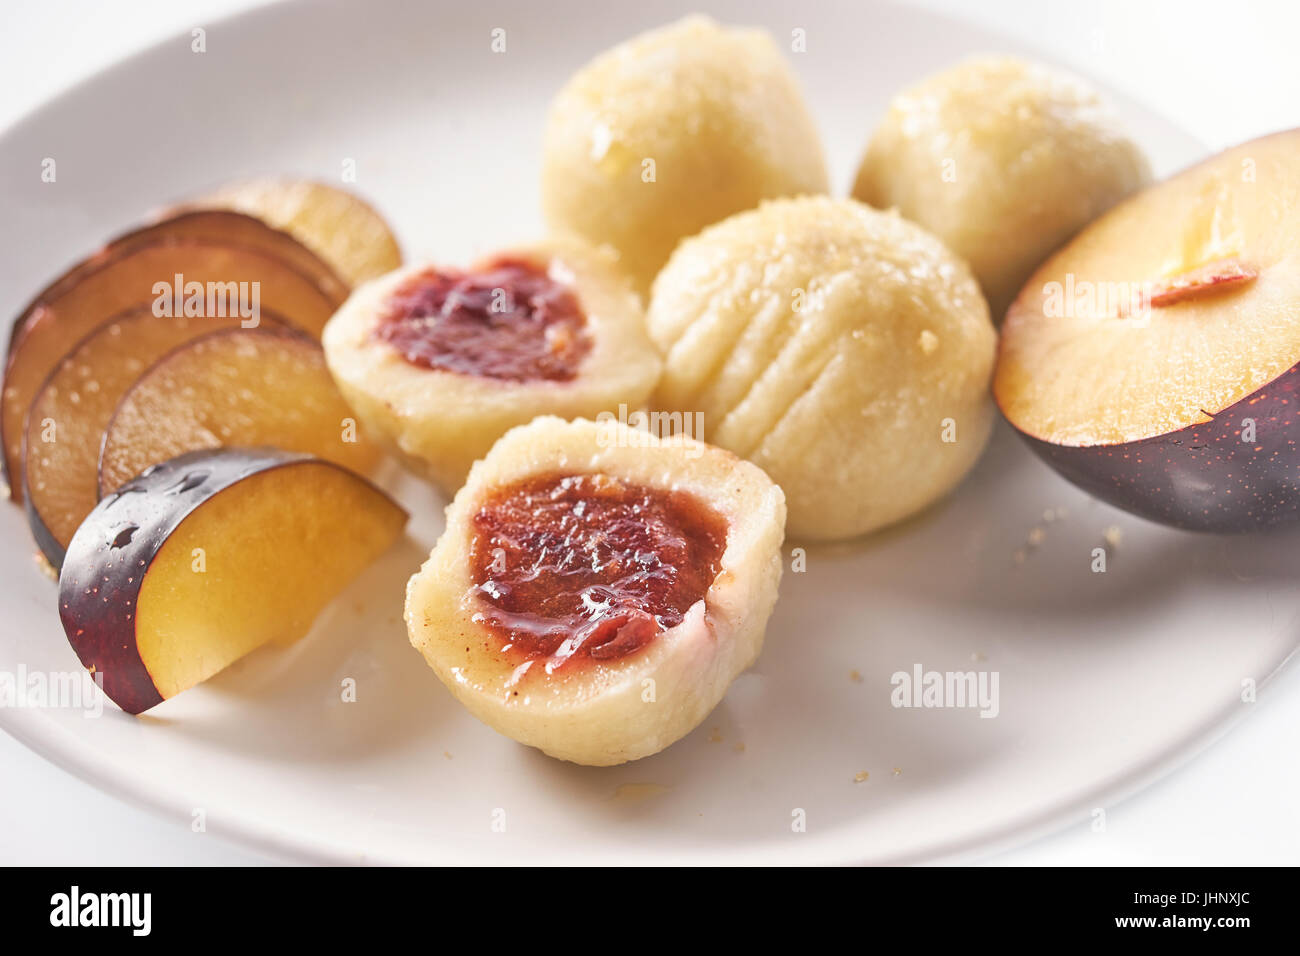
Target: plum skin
(109, 556)
(48, 544)
(1202, 477)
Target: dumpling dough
(597, 589)
(843, 350)
(671, 131)
(1004, 161)
(441, 362)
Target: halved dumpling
(338, 225)
(66, 423)
(597, 588)
(236, 387)
(442, 362)
(208, 556)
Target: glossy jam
(572, 567)
(510, 321)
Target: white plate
(1104, 679)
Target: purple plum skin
(110, 554)
(1203, 477)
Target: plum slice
(341, 227)
(124, 278)
(208, 556)
(68, 416)
(232, 387)
(1154, 360)
(597, 589)
(206, 225)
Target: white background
(1223, 71)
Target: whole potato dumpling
(1004, 161)
(671, 131)
(845, 351)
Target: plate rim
(165, 801)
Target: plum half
(208, 556)
(597, 588)
(1154, 360)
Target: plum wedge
(209, 556)
(232, 387)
